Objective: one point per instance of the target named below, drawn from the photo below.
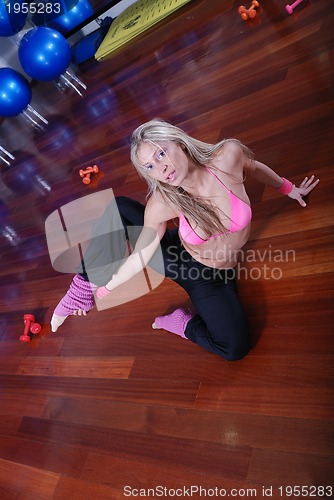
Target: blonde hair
(196, 209)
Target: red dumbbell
(29, 325)
(85, 174)
(251, 12)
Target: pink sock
(174, 323)
(80, 295)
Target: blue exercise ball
(44, 54)
(43, 18)
(72, 17)
(15, 92)
(12, 19)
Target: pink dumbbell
(290, 8)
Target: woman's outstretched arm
(155, 224)
(265, 174)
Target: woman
(203, 186)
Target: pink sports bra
(241, 215)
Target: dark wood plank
(296, 468)
(26, 482)
(76, 489)
(189, 454)
(78, 367)
(293, 435)
(176, 393)
(168, 479)
(63, 460)
(291, 401)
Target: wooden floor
(107, 407)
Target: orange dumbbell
(248, 13)
(29, 326)
(85, 174)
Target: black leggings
(219, 325)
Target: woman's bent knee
(234, 354)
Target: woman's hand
(304, 189)
(102, 291)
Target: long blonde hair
(194, 208)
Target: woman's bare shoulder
(230, 159)
(230, 152)
(158, 209)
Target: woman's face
(165, 161)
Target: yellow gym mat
(137, 18)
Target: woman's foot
(175, 322)
(56, 322)
(78, 300)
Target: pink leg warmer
(80, 295)
(174, 323)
